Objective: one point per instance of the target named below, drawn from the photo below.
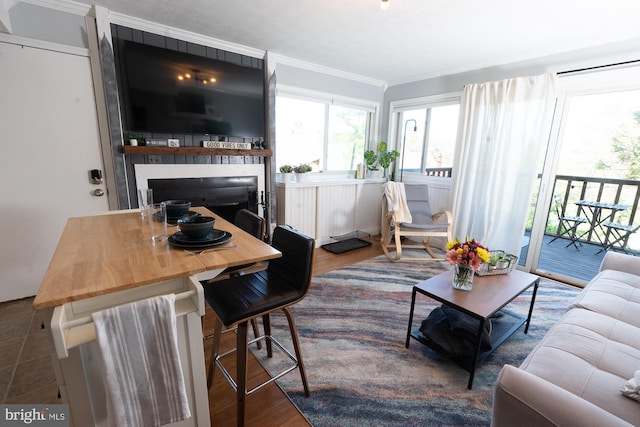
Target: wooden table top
(489, 293)
(97, 255)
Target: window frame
(396, 108)
(371, 108)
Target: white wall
(289, 75)
(41, 23)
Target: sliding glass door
(588, 192)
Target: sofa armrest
(621, 262)
(523, 399)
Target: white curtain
(504, 129)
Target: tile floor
(26, 371)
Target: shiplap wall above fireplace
(183, 164)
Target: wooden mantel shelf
(193, 151)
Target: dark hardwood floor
(269, 406)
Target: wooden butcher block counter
(109, 260)
(107, 253)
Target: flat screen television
(165, 91)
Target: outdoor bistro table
(593, 211)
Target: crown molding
(44, 45)
(281, 59)
(148, 26)
(188, 36)
(63, 6)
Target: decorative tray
(500, 263)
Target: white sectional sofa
(575, 375)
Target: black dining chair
(254, 225)
(240, 299)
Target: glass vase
(463, 277)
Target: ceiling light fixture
(196, 76)
(384, 5)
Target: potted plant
(371, 160)
(380, 158)
(135, 139)
(301, 171)
(287, 173)
(500, 260)
(385, 158)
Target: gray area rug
(352, 328)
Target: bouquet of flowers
(469, 253)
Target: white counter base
(77, 361)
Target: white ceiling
(413, 39)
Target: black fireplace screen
(222, 195)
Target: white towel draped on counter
(397, 201)
(141, 367)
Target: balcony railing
(570, 189)
(442, 172)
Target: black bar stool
(238, 300)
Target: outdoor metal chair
(567, 225)
(620, 234)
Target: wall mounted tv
(155, 99)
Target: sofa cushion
(590, 355)
(525, 400)
(613, 293)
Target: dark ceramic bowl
(173, 220)
(197, 227)
(177, 208)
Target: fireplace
(223, 196)
(222, 188)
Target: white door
(49, 143)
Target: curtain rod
(598, 67)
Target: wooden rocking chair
(397, 235)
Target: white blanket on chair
(141, 367)
(397, 201)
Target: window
(426, 131)
(328, 134)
